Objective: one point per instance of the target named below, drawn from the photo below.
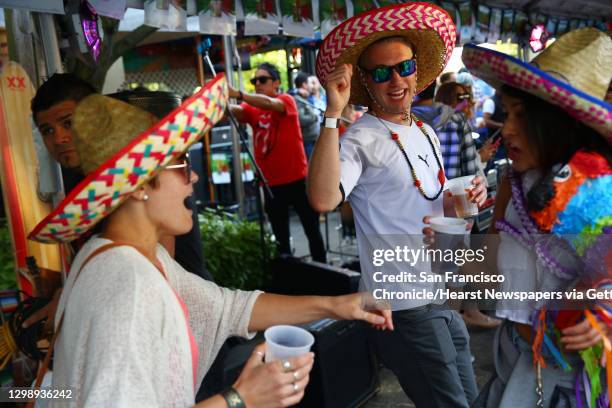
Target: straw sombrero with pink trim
(122, 147)
(428, 27)
(573, 73)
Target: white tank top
(522, 270)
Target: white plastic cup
(447, 225)
(459, 188)
(284, 342)
(450, 234)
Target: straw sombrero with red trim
(122, 147)
(428, 27)
(573, 73)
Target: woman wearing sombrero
(554, 217)
(389, 168)
(133, 327)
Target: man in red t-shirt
(279, 151)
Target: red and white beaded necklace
(417, 182)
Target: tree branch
(131, 40)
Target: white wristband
(331, 123)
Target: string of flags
(302, 18)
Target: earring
(145, 197)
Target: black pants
(429, 352)
(294, 194)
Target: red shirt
(279, 148)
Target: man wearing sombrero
(389, 168)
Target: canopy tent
(475, 13)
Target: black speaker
(292, 276)
(344, 374)
(221, 136)
(345, 371)
(196, 155)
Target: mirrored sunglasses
(382, 73)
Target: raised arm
(324, 168)
(257, 100)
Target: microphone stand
(259, 179)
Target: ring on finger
(296, 376)
(296, 387)
(286, 365)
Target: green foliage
(232, 250)
(8, 279)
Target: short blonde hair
(396, 38)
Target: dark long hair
(554, 134)
(555, 137)
(447, 94)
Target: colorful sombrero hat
(573, 73)
(428, 27)
(116, 162)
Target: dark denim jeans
(429, 352)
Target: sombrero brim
(499, 69)
(105, 188)
(429, 28)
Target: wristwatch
(331, 123)
(232, 398)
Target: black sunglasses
(261, 79)
(382, 73)
(185, 165)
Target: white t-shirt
(387, 207)
(488, 106)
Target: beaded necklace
(417, 182)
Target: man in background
(317, 97)
(279, 152)
(307, 113)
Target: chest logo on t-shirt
(262, 136)
(424, 159)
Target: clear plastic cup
(460, 188)
(284, 342)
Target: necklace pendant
(394, 136)
(441, 176)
